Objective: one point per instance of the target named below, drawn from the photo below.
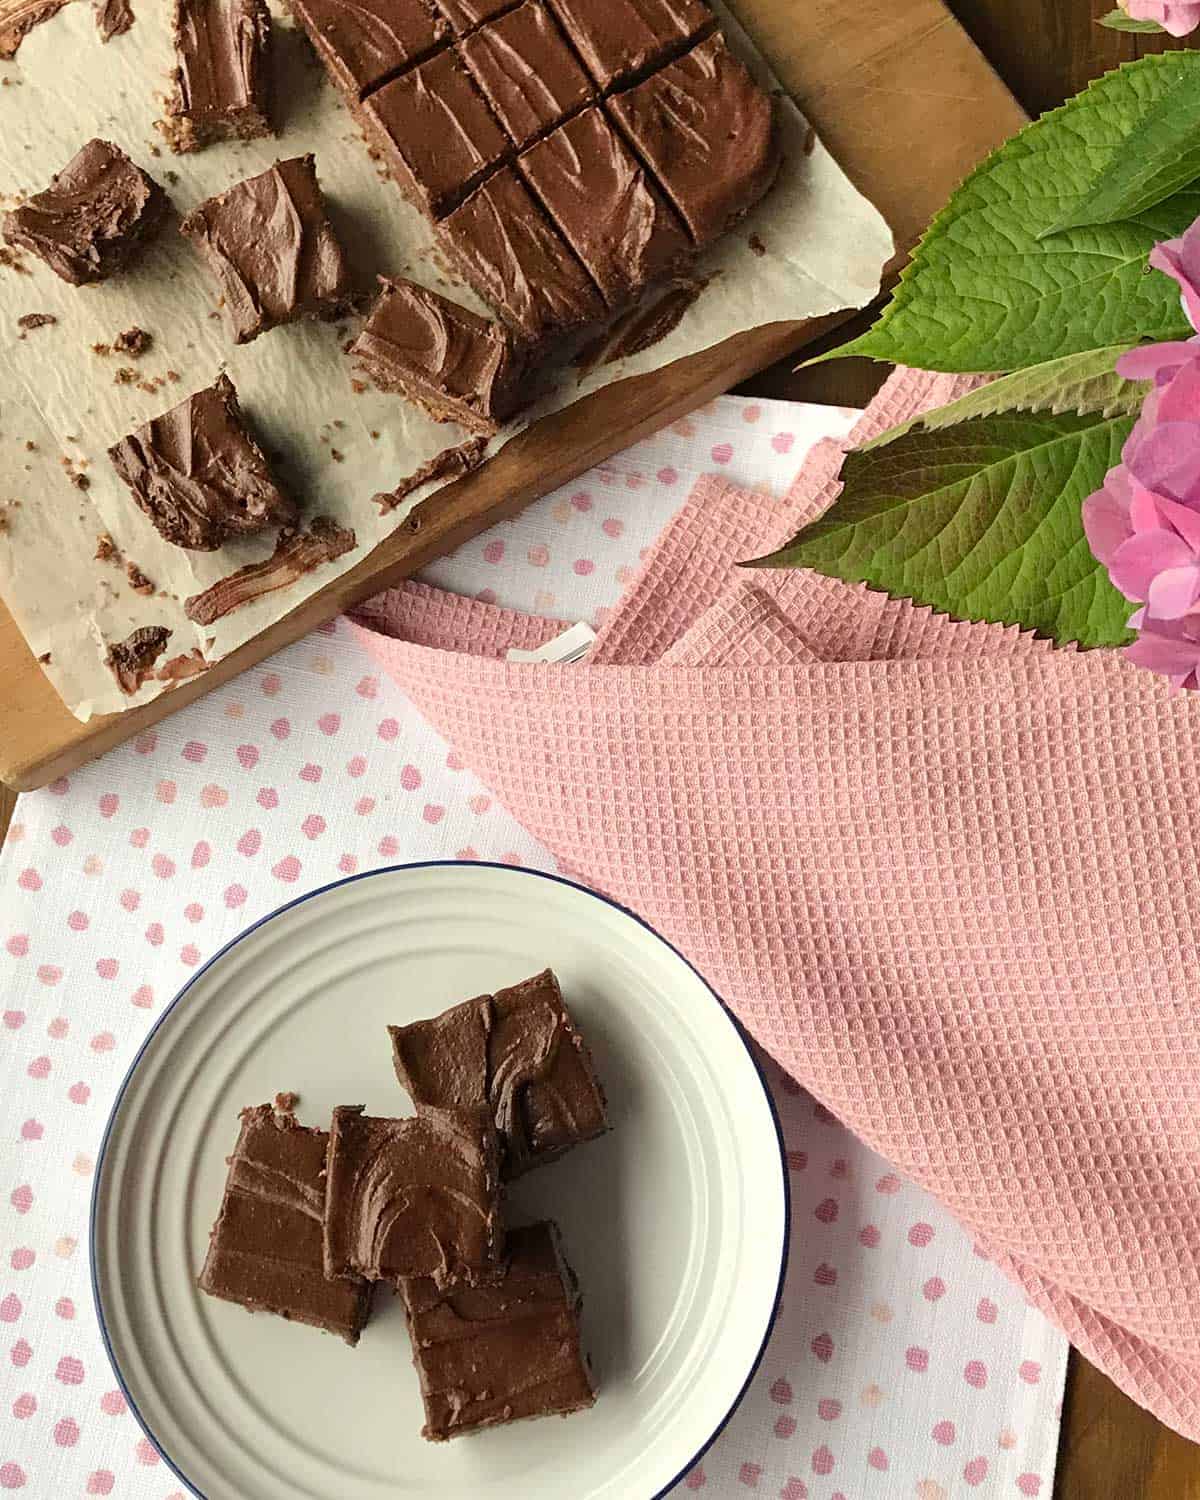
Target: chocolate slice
(265, 1251)
(459, 367)
(418, 1197)
(222, 78)
(506, 250)
(518, 1053)
(619, 39)
(502, 1352)
(273, 250)
(199, 475)
(465, 15)
(707, 132)
(94, 217)
(605, 207)
(362, 42)
(526, 71)
(436, 133)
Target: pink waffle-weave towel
(945, 874)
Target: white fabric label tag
(569, 646)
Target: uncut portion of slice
(707, 132)
(362, 42)
(619, 39)
(265, 1251)
(605, 207)
(456, 365)
(504, 1351)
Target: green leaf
(982, 521)
(982, 293)
(1117, 20)
(1153, 162)
(1085, 382)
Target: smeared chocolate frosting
(450, 463)
(271, 245)
(19, 17)
(296, 553)
(92, 219)
(500, 1352)
(113, 18)
(362, 42)
(199, 475)
(222, 74)
(518, 1053)
(131, 661)
(266, 1246)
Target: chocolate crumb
(103, 350)
(125, 376)
(173, 376)
(131, 660)
(358, 386)
(30, 446)
(46, 658)
(374, 435)
(134, 342)
(138, 581)
(337, 455)
(286, 1103)
(36, 320)
(81, 481)
(106, 548)
(757, 245)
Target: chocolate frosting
(363, 42)
(113, 18)
(619, 39)
(504, 1351)
(222, 77)
(526, 71)
(417, 1197)
(707, 131)
(505, 248)
(273, 249)
(465, 15)
(606, 209)
(518, 1053)
(92, 219)
(266, 1246)
(296, 553)
(19, 17)
(456, 364)
(132, 660)
(199, 475)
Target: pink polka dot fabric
(117, 882)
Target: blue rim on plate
(434, 864)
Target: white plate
(675, 1222)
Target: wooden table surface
(1045, 50)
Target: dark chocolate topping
(132, 660)
(93, 217)
(199, 475)
(221, 75)
(362, 42)
(19, 17)
(449, 464)
(618, 39)
(605, 207)
(295, 554)
(273, 249)
(266, 1247)
(465, 15)
(707, 132)
(417, 1197)
(423, 345)
(505, 248)
(113, 18)
(527, 72)
(504, 1351)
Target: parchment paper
(819, 247)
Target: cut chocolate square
(436, 132)
(505, 248)
(501, 1352)
(364, 42)
(605, 207)
(456, 365)
(94, 217)
(222, 73)
(707, 132)
(266, 1247)
(199, 475)
(465, 15)
(527, 72)
(417, 1197)
(621, 39)
(273, 250)
(517, 1052)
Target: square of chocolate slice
(199, 475)
(465, 15)
(504, 247)
(605, 207)
(504, 1351)
(518, 1053)
(527, 72)
(222, 72)
(416, 1197)
(273, 250)
(94, 217)
(707, 132)
(266, 1247)
(364, 42)
(456, 365)
(435, 131)
(622, 39)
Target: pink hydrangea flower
(1176, 16)
(1180, 260)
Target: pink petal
(1173, 592)
(1167, 460)
(1169, 655)
(1151, 360)
(1182, 518)
(1140, 560)
(1179, 399)
(1106, 516)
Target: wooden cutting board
(907, 105)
